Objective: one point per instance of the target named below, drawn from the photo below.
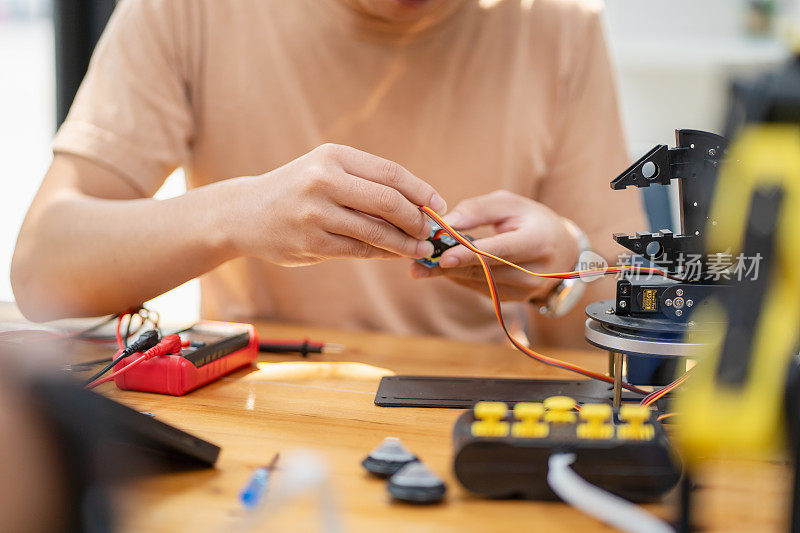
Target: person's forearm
(86, 256)
(87, 248)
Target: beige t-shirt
(511, 94)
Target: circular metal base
(631, 336)
(603, 312)
(637, 336)
(600, 335)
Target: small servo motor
(441, 242)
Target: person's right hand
(333, 202)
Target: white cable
(596, 502)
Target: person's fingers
(376, 233)
(389, 173)
(504, 245)
(488, 209)
(339, 246)
(383, 202)
(418, 271)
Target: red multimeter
(216, 349)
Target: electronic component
(389, 457)
(503, 454)
(214, 350)
(441, 242)
(693, 164)
(661, 298)
(414, 483)
(146, 340)
(644, 327)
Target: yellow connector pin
(529, 426)
(558, 410)
(489, 423)
(635, 429)
(595, 416)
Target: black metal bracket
(660, 165)
(694, 163)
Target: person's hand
(527, 233)
(333, 202)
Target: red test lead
(171, 344)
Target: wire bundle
(660, 393)
(481, 255)
(145, 341)
(168, 345)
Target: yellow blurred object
(529, 425)
(635, 429)
(558, 410)
(746, 417)
(489, 423)
(596, 416)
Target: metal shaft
(617, 399)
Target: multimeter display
(210, 343)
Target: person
(310, 132)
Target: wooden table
(325, 404)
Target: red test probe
(200, 355)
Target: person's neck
(428, 17)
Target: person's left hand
(527, 233)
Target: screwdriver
(254, 490)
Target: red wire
(119, 372)
(536, 355)
(168, 345)
(657, 395)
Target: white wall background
(674, 59)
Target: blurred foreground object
(60, 455)
(743, 400)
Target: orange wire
(499, 313)
(558, 275)
(660, 393)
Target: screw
(678, 312)
(622, 304)
(689, 303)
(679, 292)
(712, 152)
(610, 311)
(668, 302)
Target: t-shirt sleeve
(589, 144)
(132, 113)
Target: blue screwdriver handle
(254, 490)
